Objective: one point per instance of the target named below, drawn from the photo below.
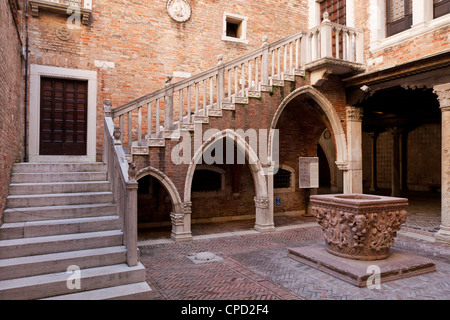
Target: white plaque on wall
(179, 10)
(308, 172)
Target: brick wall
(145, 44)
(428, 42)
(11, 96)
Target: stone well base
(398, 266)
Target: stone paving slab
(257, 267)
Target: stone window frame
(38, 71)
(422, 22)
(293, 181)
(235, 18)
(208, 194)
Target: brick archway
(331, 114)
(264, 219)
(180, 227)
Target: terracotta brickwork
(11, 95)
(428, 41)
(145, 44)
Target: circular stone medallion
(179, 10)
(64, 33)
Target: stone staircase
(61, 215)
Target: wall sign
(308, 172)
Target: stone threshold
(399, 265)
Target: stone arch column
(443, 95)
(264, 217)
(180, 216)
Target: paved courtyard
(255, 266)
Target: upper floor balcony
(67, 7)
(332, 48)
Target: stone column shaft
(443, 93)
(374, 172)
(353, 179)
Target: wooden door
(63, 117)
(337, 13)
(336, 10)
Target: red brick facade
(11, 93)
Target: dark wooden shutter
(441, 8)
(63, 117)
(398, 16)
(336, 10)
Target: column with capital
(353, 178)
(443, 95)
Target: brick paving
(256, 266)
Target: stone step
(58, 187)
(47, 177)
(25, 167)
(58, 199)
(59, 212)
(134, 291)
(49, 285)
(59, 262)
(45, 228)
(62, 243)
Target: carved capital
(107, 105)
(443, 96)
(187, 207)
(262, 202)
(354, 113)
(117, 135)
(220, 59)
(132, 171)
(177, 218)
(265, 40)
(342, 165)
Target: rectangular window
(440, 8)
(398, 16)
(234, 28)
(282, 179)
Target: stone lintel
(399, 265)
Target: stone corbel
(63, 8)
